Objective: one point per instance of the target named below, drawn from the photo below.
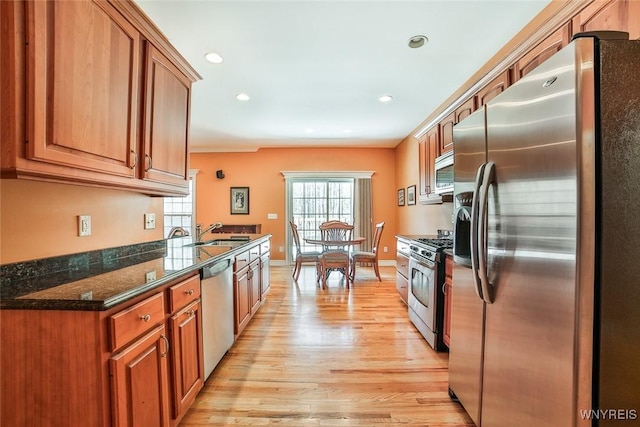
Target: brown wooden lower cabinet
(140, 380)
(448, 288)
(120, 367)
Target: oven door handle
(474, 231)
(487, 180)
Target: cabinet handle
(146, 317)
(150, 162)
(135, 159)
(444, 288)
(189, 292)
(166, 343)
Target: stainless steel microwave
(444, 173)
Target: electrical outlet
(281, 249)
(150, 276)
(385, 249)
(84, 225)
(149, 221)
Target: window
(314, 201)
(179, 211)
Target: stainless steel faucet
(199, 233)
(177, 231)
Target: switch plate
(84, 225)
(150, 276)
(149, 221)
(385, 249)
(272, 216)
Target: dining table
(327, 244)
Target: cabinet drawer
(134, 321)
(402, 264)
(402, 246)
(254, 253)
(183, 293)
(265, 248)
(241, 261)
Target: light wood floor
(333, 357)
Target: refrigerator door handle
(487, 179)
(474, 231)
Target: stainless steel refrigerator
(545, 323)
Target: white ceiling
(322, 64)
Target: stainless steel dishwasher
(217, 312)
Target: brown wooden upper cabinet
(166, 120)
(446, 125)
(543, 51)
(107, 99)
(493, 88)
(619, 15)
(82, 86)
(428, 150)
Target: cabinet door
(254, 280)
(166, 121)
(402, 286)
(428, 150)
(265, 275)
(446, 125)
(82, 86)
(448, 287)
(446, 132)
(493, 89)
(620, 15)
(544, 50)
(241, 300)
(140, 389)
(186, 357)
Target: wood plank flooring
(333, 357)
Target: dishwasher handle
(215, 268)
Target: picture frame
(411, 195)
(239, 199)
(401, 197)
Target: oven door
(423, 299)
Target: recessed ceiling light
(385, 98)
(243, 97)
(213, 57)
(417, 41)
(346, 130)
(308, 130)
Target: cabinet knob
(189, 292)
(146, 317)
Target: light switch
(272, 216)
(149, 221)
(84, 225)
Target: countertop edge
(109, 303)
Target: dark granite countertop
(102, 279)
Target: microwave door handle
(487, 180)
(474, 231)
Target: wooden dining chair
(370, 257)
(301, 257)
(335, 257)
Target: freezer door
(529, 377)
(467, 312)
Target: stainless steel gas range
(426, 278)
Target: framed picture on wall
(411, 195)
(401, 197)
(240, 200)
